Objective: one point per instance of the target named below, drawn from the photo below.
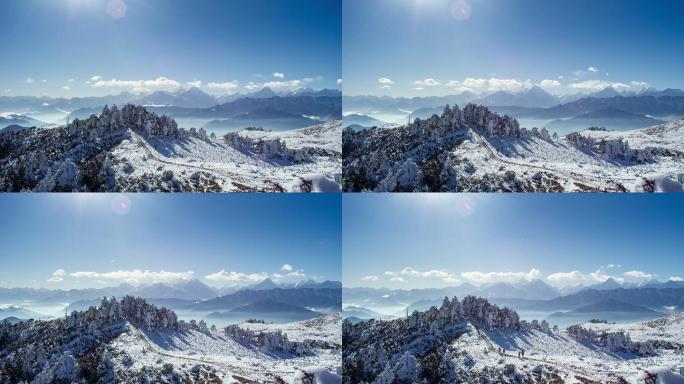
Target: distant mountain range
(648, 299)
(534, 97)
(610, 118)
(19, 121)
(186, 290)
(362, 121)
(191, 107)
(273, 113)
(609, 108)
(20, 314)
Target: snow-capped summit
(534, 97)
(191, 289)
(263, 285)
(606, 92)
(610, 283)
(263, 93)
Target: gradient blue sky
(491, 237)
(410, 40)
(202, 233)
(224, 42)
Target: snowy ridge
(474, 341)
(131, 149)
(132, 341)
(475, 150)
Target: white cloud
(639, 84)
(638, 275)
(251, 86)
(285, 84)
(222, 275)
(434, 273)
(496, 277)
(676, 278)
(567, 277)
(279, 75)
(44, 81)
(491, 84)
(593, 69)
(370, 278)
(66, 88)
(386, 87)
(135, 276)
(225, 86)
(57, 276)
(30, 80)
(339, 81)
(385, 82)
(397, 279)
(549, 84)
(286, 268)
(419, 88)
(158, 84)
(194, 83)
(298, 274)
(429, 82)
(95, 78)
(597, 85)
(71, 80)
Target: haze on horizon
(437, 240)
(416, 48)
(77, 48)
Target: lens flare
(120, 204)
(116, 9)
(460, 10)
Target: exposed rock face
(74, 349)
(77, 156)
(611, 341)
(615, 149)
(267, 149)
(418, 157)
(413, 348)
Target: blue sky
(239, 45)
(92, 240)
(436, 240)
(576, 45)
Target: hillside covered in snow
(472, 340)
(132, 149)
(129, 340)
(475, 150)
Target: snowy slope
(327, 328)
(132, 149)
(215, 353)
(130, 340)
(474, 341)
(475, 150)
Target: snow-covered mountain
(132, 149)
(264, 285)
(534, 97)
(129, 340)
(190, 98)
(191, 289)
(474, 341)
(530, 290)
(475, 150)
